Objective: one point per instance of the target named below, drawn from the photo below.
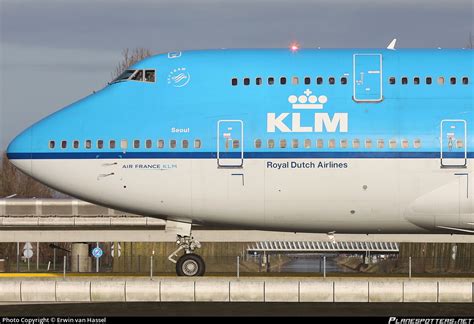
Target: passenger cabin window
(452, 80)
(282, 80)
(136, 144)
(172, 143)
(307, 80)
(124, 144)
(368, 143)
(319, 80)
(459, 144)
(112, 144)
(185, 144)
(332, 143)
(75, 144)
(235, 144)
(332, 80)
(258, 81)
(343, 80)
(258, 143)
(392, 144)
(465, 80)
(294, 80)
(405, 143)
(417, 143)
(343, 143)
(441, 80)
(63, 144)
(380, 144)
(271, 143)
(246, 81)
(148, 144)
(319, 143)
(234, 82)
(197, 143)
(283, 143)
(161, 144)
(100, 144)
(404, 80)
(356, 143)
(307, 143)
(416, 80)
(391, 80)
(429, 80)
(88, 144)
(52, 144)
(294, 143)
(271, 81)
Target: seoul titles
(306, 165)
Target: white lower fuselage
(301, 195)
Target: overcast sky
(54, 52)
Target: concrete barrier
(177, 290)
(73, 291)
(107, 291)
(455, 291)
(38, 291)
(142, 291)
(351, 291)
(420, 291)
(212, 291)
(92, 221)
(247, 291)
(282, 291)
(316, 291)
(243, 290)
(20, 221)
(56, 221)
(385, 291)
(10, 291)
(137, 221)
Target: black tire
(190, 265)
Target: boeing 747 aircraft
(346, 141)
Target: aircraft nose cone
(19, 151)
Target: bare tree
(13, 181)
(130, 57)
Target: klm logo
(322, 122)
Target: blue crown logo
(307, 101)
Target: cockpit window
(137, 75)
(150, 75)
(125, 75)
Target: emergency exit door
(367, 77)
(453, 143)
(230, 145)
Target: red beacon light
(294, 47)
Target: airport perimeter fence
(310, 264)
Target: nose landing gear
(189, 264)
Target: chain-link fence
(309, 264)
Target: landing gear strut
(189, 264)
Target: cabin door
(453, 143)
(367, 77)
(230, 143)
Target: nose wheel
(190, 265)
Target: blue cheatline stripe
(236, 155)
